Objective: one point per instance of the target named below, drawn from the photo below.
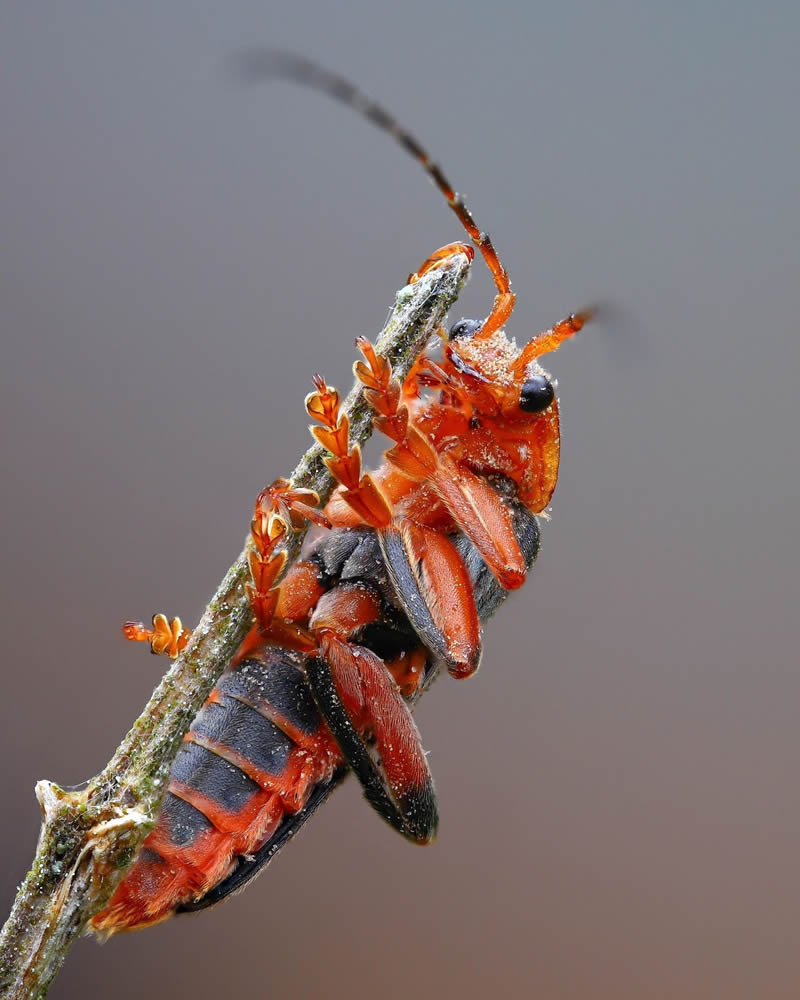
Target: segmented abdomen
(251, 758)
(258, 758)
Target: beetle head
(500, 379)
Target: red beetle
(408, 562)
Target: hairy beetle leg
(277, 507)
(483, 516)
(294, 505)
(266, 560)
(356, 695)
(413, 455)
(361, 492)
(361, 702)
(434, 588)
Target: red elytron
(408, 563)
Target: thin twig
(89, 837)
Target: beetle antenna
(257, 64)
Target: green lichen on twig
(88, 837)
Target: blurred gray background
(619, 785)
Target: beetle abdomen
(251, 758)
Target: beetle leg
(168, 637)
(266, 559)
(433, 586)
(504, 299)
(408, 670)
(361, 492)
(413, 454)
(361, 703)
(477, 509)
(484, 517)
(301, 588)
(294, 505)
(356, 694)
(276, 508)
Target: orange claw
(164, 637)
(323, 405)
(294, 505)
(377, 372)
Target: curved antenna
(259, 64)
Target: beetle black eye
(536, 394)
(464, 328)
